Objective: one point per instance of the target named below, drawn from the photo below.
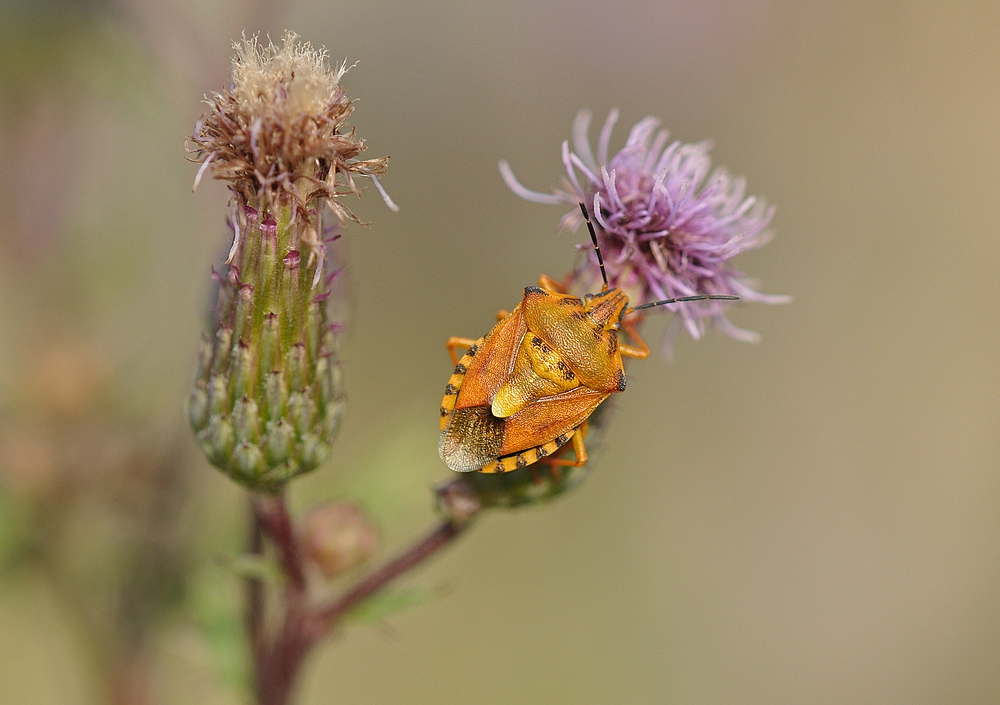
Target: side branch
(280, 656)
(326, 619)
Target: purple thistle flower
(664, 228)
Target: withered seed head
(268, 397)
(276, 134)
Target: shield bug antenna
(682, 299)
(597, 248)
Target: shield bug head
(527, 387)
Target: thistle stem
(255, 588)
(279, 658)
(276, 522)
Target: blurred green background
(813, 519)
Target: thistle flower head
(667, 225)
(277, 133)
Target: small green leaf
(376, 608)
(216, 599)
(255, 567)
(16, 532)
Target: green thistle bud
(268, 400)
(527, 486)
(268, 397)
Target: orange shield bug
(528, 386)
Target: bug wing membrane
(471, 439)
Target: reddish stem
(326, 619)
(130, 680)
(255, 588)
(279, 659)
(274, 519)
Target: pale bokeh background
(810, 520)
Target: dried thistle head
(277, 134)
(268, 397)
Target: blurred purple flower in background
(664, 228)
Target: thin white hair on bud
(201, 171)
(289, 81)
(344, 68)
(236, 233)
(385, 196)
(320, 266)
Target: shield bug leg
(640, 350)
(579, 450)
(457, 378)
(455, 343)
(550, 284)
(502, 314)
